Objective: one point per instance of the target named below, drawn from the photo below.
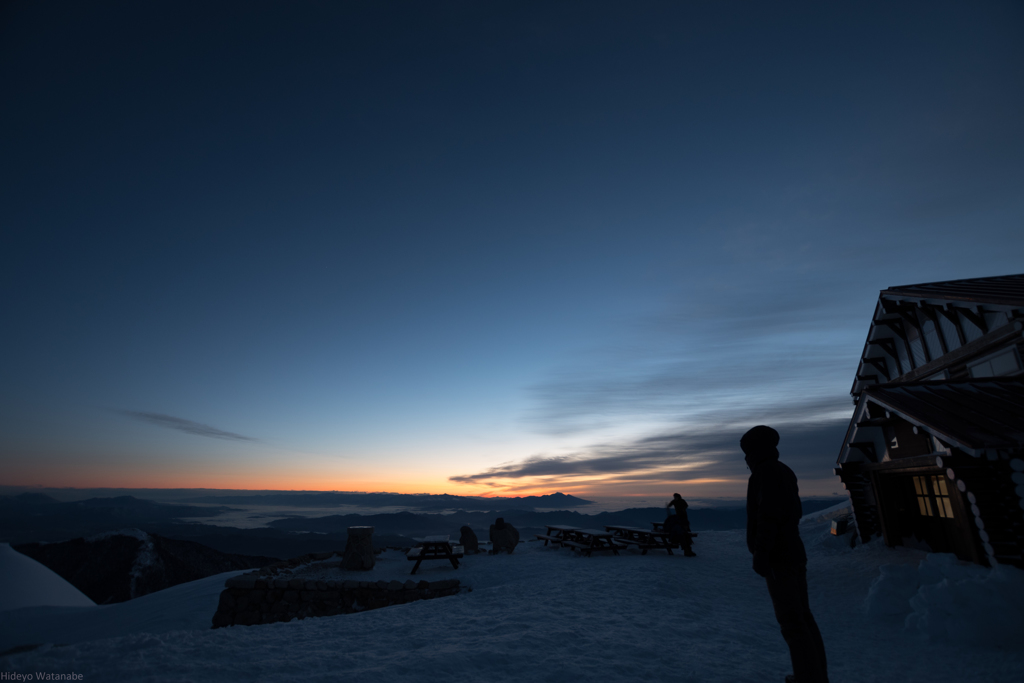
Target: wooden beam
(880, 365)
(975, 348)
(867, 448)
(896, 325)
(949, 312)
(976, 318)
(930, 313)
(889, 346)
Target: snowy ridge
(131, 533)
(146, 560)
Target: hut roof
(976, 414)
(1004, 289)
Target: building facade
(934, 454)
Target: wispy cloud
(183, 425)
(725, 353)
(810, 448)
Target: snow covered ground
(544, 614)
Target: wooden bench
(457, 552)
(645, 546)
(435, 548)
(586, 541)
(557, 533)
(643, 539)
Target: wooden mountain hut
(934, 455)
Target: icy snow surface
(545, 614)
(27, 583)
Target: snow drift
(946, 600)
(26, 583)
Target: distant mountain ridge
(528, 521)
(38, 517)
(34, 517)
(421, 501)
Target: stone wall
(263, 598)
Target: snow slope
(27, 583)
(187, 606)
(544, 614)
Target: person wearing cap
(773, 537)
(503, 536)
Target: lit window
(923, 502)
(942, 497)
(933, 497)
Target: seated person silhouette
(468, 541)
(503, 537)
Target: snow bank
(27, 583)
(837, 510)
(943, 599)
(185, 607)
(890, 593)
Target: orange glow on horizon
(115, 473)
(255, 482)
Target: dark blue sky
(379, 245)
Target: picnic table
(586, 541)
(642, 538)
(557, 533)
(660, 526)
(435, 548)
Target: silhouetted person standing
(681, 522)
(773, 516)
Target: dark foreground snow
(545, 614)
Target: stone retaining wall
(259, 598)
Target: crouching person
(678, 525)
(503, 537)
(468, 541)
